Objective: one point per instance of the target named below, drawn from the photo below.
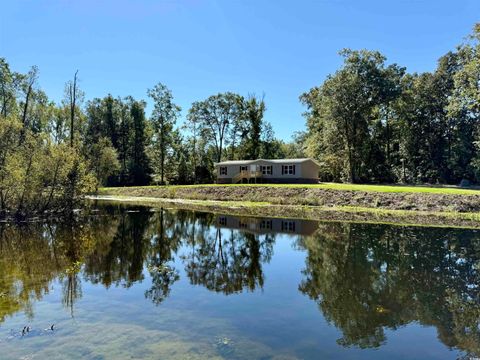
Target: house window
(288, 226)
(243, 168)
(222, 220)
(266, 224)
(266, 170)
(288, 169)
(223, 170)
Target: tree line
(124, 146)
(368, 122)
(51, 154)
(373, 122)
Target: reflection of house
(267, 226)
(268, 171)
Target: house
(267, 171)
(261, 226)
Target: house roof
(273, 161)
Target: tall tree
(164, 116)
(465, 102)
(254, 111)
(74, 96)
(28, 90)
(192, 125)
(9, 82)
(140, 164)
(342, 111)
(217, 116)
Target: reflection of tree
(166, 238)
(121, 262)
(227, 263)
(31, 256)
(27, 265)
(365, 278)
(369, 277)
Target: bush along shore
(414, 205)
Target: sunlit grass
(306, 212)
(146, 199)
(334, 186)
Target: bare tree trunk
(162, 154)
(73, 99)
(25, 106)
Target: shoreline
(305, 212)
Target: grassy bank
(430, 199)
(321, 213)
(445, 189)
(393, 204)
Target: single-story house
(267, 171)
(261, 226)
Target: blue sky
(202, 47)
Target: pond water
(141, 283)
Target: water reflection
(365, 278)
(33, 255)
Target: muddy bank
(311, 197)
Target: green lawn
(354, 187)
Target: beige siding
(268, 225)
(309, 170)
(305, 170)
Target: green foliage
(164, 116)
(370, 122)
(121, 123)
(370, 278)
(254, 110)
(40, 171)
(103, 160)
(37, 175)
(220, 117)
(343, 116)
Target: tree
(216, 117)
(39, 173)
(464, 103)
(123, 123)
(9, 83)
(140, 165)
(341, 113)
(125, 139)
(28, 90)
(192, 142)
(254, 111)
(73, 97)
(103, 160)
(164, 116)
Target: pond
(131, 282)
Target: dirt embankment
(311, 197)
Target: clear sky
(202, 47)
